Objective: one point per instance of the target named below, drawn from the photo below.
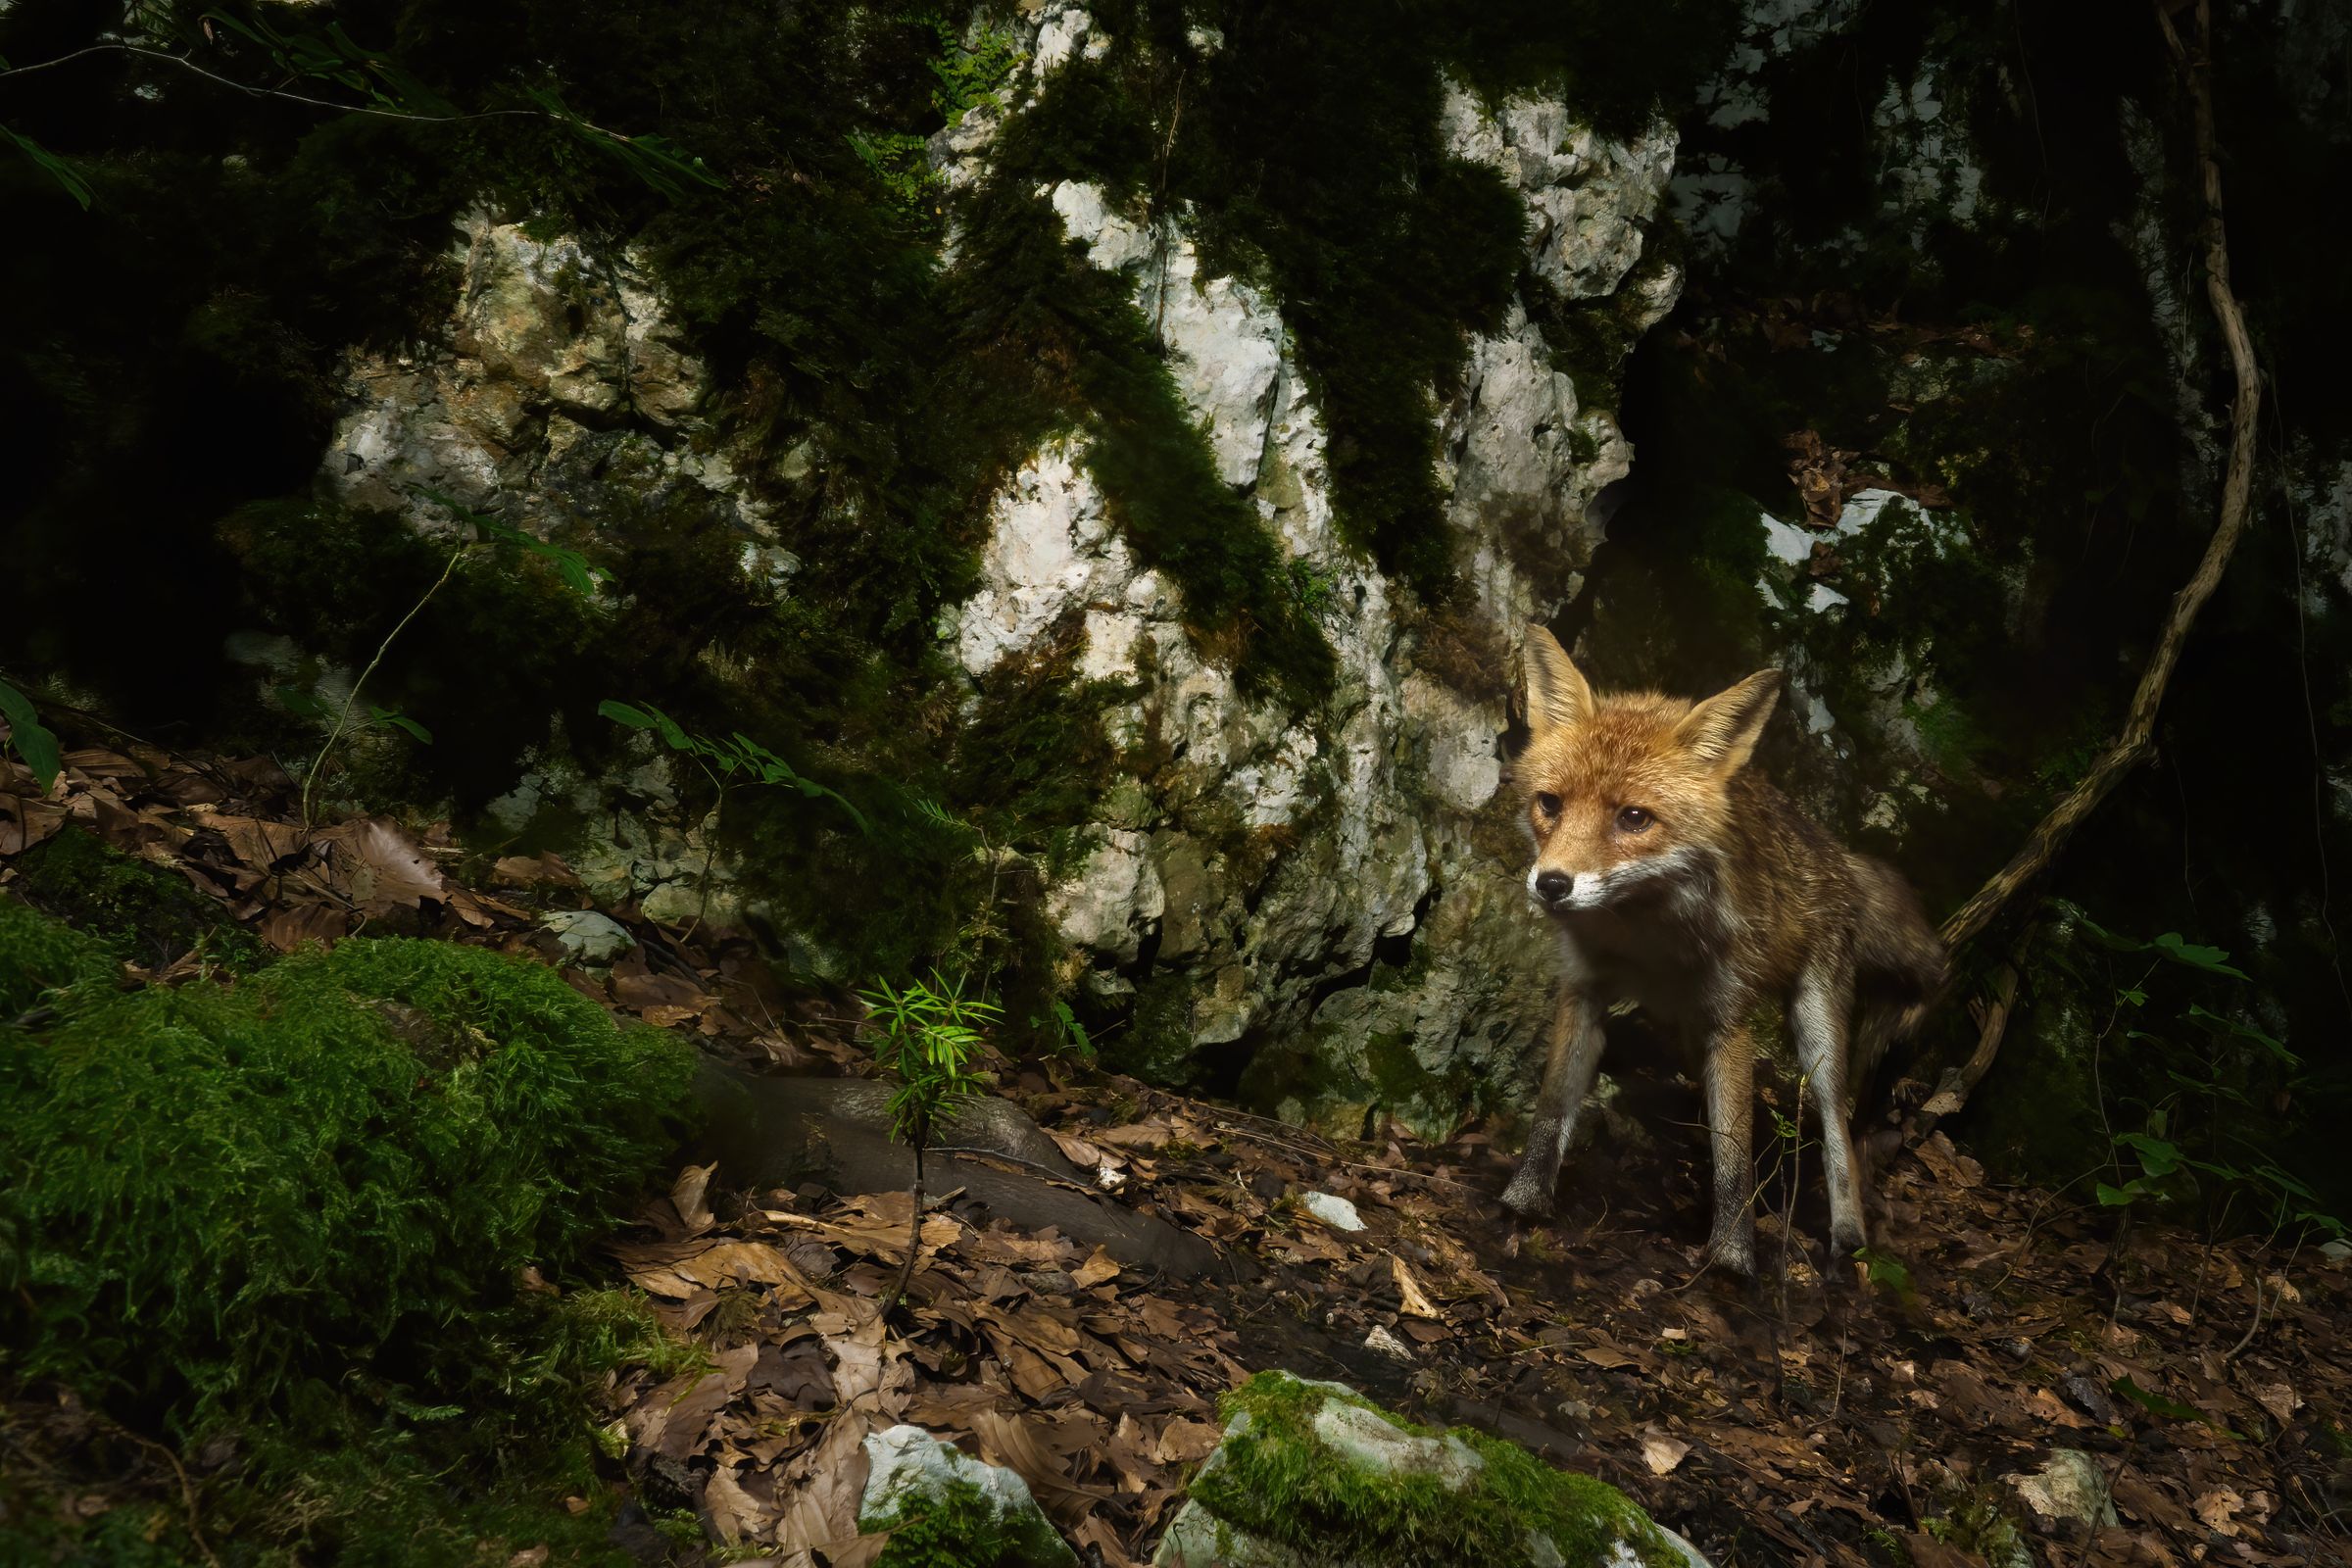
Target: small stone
(2335, 1252)
(2068, 1486)
(1333, 1210)
(589, 936)
(1381, 1340)
(909, 1471)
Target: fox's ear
(1558, 691)
(1723, 730)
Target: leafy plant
(723, 761)
(2199, 1135)
(1314, 587)
(332, 56)
(305, 702)
(1068, 1035)
(970, 72)
(896, 159)
(928, 1037)
(966, 75)
(655, 159)
(738, 758)
(30, 738)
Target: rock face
(1330, 893)
(1330, 896)
(1308, 1472)
(561, 381)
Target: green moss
(962, 1527)
(291, 1211)
(144, 913)
(1276, 1478)
(223, 1188)
(38, 956)
(1976, 1523)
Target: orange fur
(1681, 880)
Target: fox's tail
(1900, 965)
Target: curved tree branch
(2138, 740)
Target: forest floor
(1909, 1417)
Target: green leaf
(400, 721)
(2170, 1410)
(2120, 1196)
(2157, 1403)
(1885, 1270)
(2246, 1032)
(50, 164)
(2156, 1156)
(648, 717)
(2195, 956)
(300, 701)
(33, 740)
(655, 159)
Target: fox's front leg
(1568, 1069)
(1731, 1093)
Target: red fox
(1681, 880)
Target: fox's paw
(1530, 1194)
(1734, 1254)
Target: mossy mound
(145, 914)
(287, 1220)
(1309, 1473)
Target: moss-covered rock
(1311, 1475)
(289, 1215)
(146, 914)
(945, 1509)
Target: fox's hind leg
(1819, 1012)
(1568, 1069)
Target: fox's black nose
(1552, 886)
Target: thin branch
(344, 718)
(250, 90)
(2137, 739)
(2255, 1327)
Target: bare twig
(188, 1488)
(914, 1236)
(2137, 739)
(344, 718)
(2255, 1327)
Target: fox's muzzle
(1565, 889)
(1566, 892)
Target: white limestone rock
(1589, 197)
(909, 1473)
(588, 936)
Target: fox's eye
(1632, 820)
(1549, 805)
